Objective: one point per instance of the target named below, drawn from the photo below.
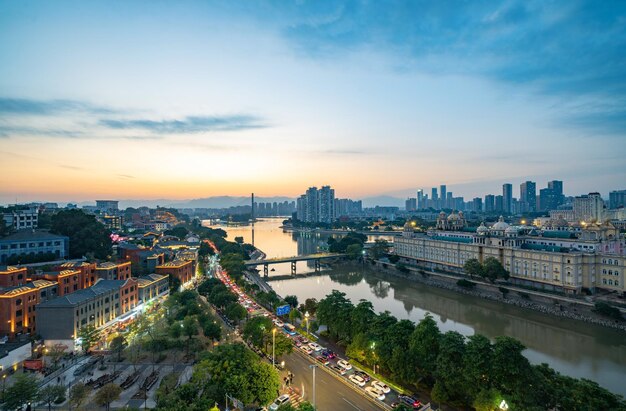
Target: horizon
(190, 100)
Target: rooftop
(77, 297)
(27, 235)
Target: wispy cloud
(188, 125)
(23, 106)
(125, 176)
(71, 167)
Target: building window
(604, 281)
(610, 282)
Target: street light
(504, 406)
(273, 347)
(306, 318)
(313, 367)
(373, 347)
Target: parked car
(381, 386)
(279, 323)
(315, 346)
(328, 354)
(375, 393)
(322, 359)
(306, 349)
(279, 401)
(357, 380)
(339, 369)
(363, 375)
(344, 364)
(410, 400)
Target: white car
(306, 349)
(357, 380)
(278, 323)
(345, 365)
(375, 393)
(315, 346)
(381, 386)
(279, 401)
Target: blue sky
(189, 99)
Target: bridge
(293, 260)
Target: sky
(179, 100)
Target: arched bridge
(293, 260)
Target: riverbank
(544, 303)
(338, 232)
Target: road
(331, 394)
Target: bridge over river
(293, 260)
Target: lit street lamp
(273, 347)
(306, 318)
(504, 406)
(313, 367)
(373, 347)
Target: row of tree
(459, 371)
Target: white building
(22, 219)
(588, 208)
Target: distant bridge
(293, 260)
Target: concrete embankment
(545, 303)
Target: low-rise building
(114, 271)
(60, 319)
(87, 271)
(31, 245)
(12, 354)
(21, 219)
(68, 280)
(11, 276)
(183, 270)
(559, 257)
(18, 303)
(152, 286)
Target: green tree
(256, 329)
(87, 236)
(606, 309)
(354, 251)
(51, 393)
(473, 267)
(510, 369)
(362, 317)
(89, 336)
(117, 346)
(306, 406)
(107, 394)
(190, 329)
(292, 300)
(78, 393)
(25, 389)
(213, 331)
(235, 312)
(294, 315)
(284, 344)
(179, 231)
(334, 311)
(424, 346)
(493, 269)
(310, 306)
(477, 364)
(379, 249)
(486, 400)
(239, 240)
(449, 386)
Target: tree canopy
(87, 235)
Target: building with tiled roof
(152, 286)
(182, 269)
(17, 306)
(11, 276)
(30, 244)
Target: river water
(571, 347)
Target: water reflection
(573, 348)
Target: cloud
(188, 125)
(71, 167)
(125, 176)
(22, 106)
(9, 131)
(568, 50)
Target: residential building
(68, 280)
(107, 205)
(617, 199)
(588, 208)
(499, 204)
(410, 204)
(31, 245)
(87, 270)
(21, 218)
(12, 276)
(490, 203)
(60, 319)
(507, 197)
(528, 196)
(443, 196)
(114, 271)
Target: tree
(379, 249)
(78, 394)
(107, 394)
(50, 393)
(179, 231)
(354, 251)
(89, 336)
(256, 328)
(310, 306)
(117, 346)
(477, 364)
(306, 406)
(235, 312)
(56, 352)
(190, 329)
(449, 386)
(86, 234)
(510, 369)
(424, 346)
(239, 240)
(292, 300)
(284, 344)
(473, 267)
(294, 315)
(606, 309)
(486, 400)
(24, 390)
(493, 269)
(213, 331)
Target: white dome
(482, 229)
(500, 225)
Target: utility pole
(273, 347)
(313, 366)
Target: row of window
(31, 245)
(610, 261)
(610, 282)
(610, 272)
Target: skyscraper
(528, 195)
(617, 199)
(499, 204)
(433, 195)
(326, 211)
(507, 197)
(490, 203)
(420, 199)
(442, 193)
(410, 204)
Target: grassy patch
(377, 376)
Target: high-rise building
(326, 211)
(617, 199)
(528, 196)
(507, 197)
(315, 206)
(477, 204)
(499, 204)
(410, 204)
(442, 194)
(490, 203)
(434, 195)
(107, 205)
(420, 199)
(588, 207)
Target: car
(279, 401)
(357, 380)
(344, 364)
(381, 386)
(298, 343)
(410, 400)
(339, 369)
(375, 393)
(315, 346)
(306, 349)
(328, 354)
(363, 375)
(279, 323)
(322, 359)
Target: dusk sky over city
(193, 99)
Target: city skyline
(182, 101)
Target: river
(571, 347)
